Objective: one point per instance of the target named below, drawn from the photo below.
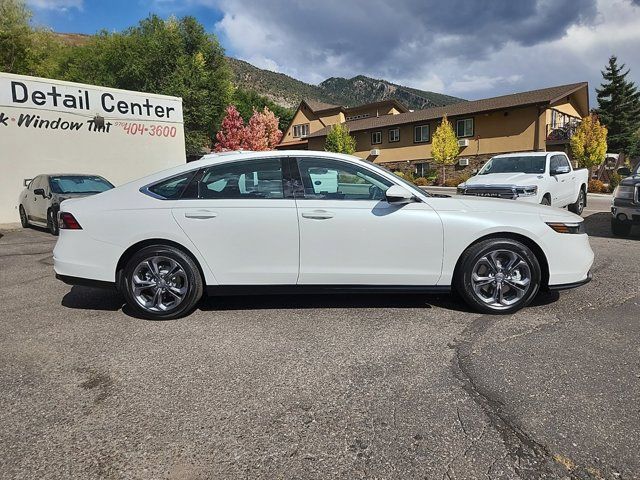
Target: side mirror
(398, 195)
(39, 191)
(624, 172)
(560, 170)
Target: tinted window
(558, 161)
(246, 179)
(78, 184)
(335, 180)
(515, 164)
(172, 188)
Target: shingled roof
(319, 106)
(533, 97)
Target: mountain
(361, 89)
(287, 91)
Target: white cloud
(61, 5)
(471, 49)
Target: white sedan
(304, 221)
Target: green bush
(421, 182)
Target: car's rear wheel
(161, 282)
(579, 204)
(620, 229)
(52, 222)
(24, 220)
(498, 276)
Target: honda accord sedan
(313, 222)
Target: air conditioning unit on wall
(463, 142)
(463, 162)
(375, 152)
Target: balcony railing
(561, 132)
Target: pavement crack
(531, 460)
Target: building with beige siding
(388, 133)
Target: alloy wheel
(159, 284)
(501, 278)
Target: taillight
(68, 222)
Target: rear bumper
(567, 286)
(86, 282)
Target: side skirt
(224, 290)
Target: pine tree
(619, 107)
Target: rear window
(172, 188)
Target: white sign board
(50, 126)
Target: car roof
(528, 154)
(220, 157)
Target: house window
(301, 130)
(464, 127)
(376, 137)
(394, 135)
(421, 134)
(422, 169)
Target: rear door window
(249, 179)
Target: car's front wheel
(498, 276)
(161, 282)
(24, 220)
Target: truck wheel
(546, 200)
(579, 204)
(620, 229)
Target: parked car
(274, 222)
(625, 210)
(40, 201)
(547, 178)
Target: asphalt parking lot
(351, 387)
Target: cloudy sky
(467, 48)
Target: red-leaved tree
(232, 131)
(260, 133)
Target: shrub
(399, 173)
(421, 182)
(455, 181)
(615, 181)
(596, 186)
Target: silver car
(39, 203)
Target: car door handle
(318, 215)
(201, 214)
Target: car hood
(484, 204)
(521, 179)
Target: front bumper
(567, 286)
(626, 211)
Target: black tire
(52, 222)
(503, 251)
(189, 279)
(24, 220)
(578, 206)
(546, 200)
(620, 229)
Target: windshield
(523, 164)
(79, 184)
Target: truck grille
(489, 191)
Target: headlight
(461, 188)
(528, 191)
(624, 191)
(573, 227)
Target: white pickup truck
(538, 177)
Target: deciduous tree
(339, 140)
(444, 146)
(262, 132)
(231, 135)
(589, 143)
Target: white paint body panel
(261, 241)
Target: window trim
(197, 174)
(473, 127)
(293, 131)
(416, 127)
(377, 132)
(396, 129)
